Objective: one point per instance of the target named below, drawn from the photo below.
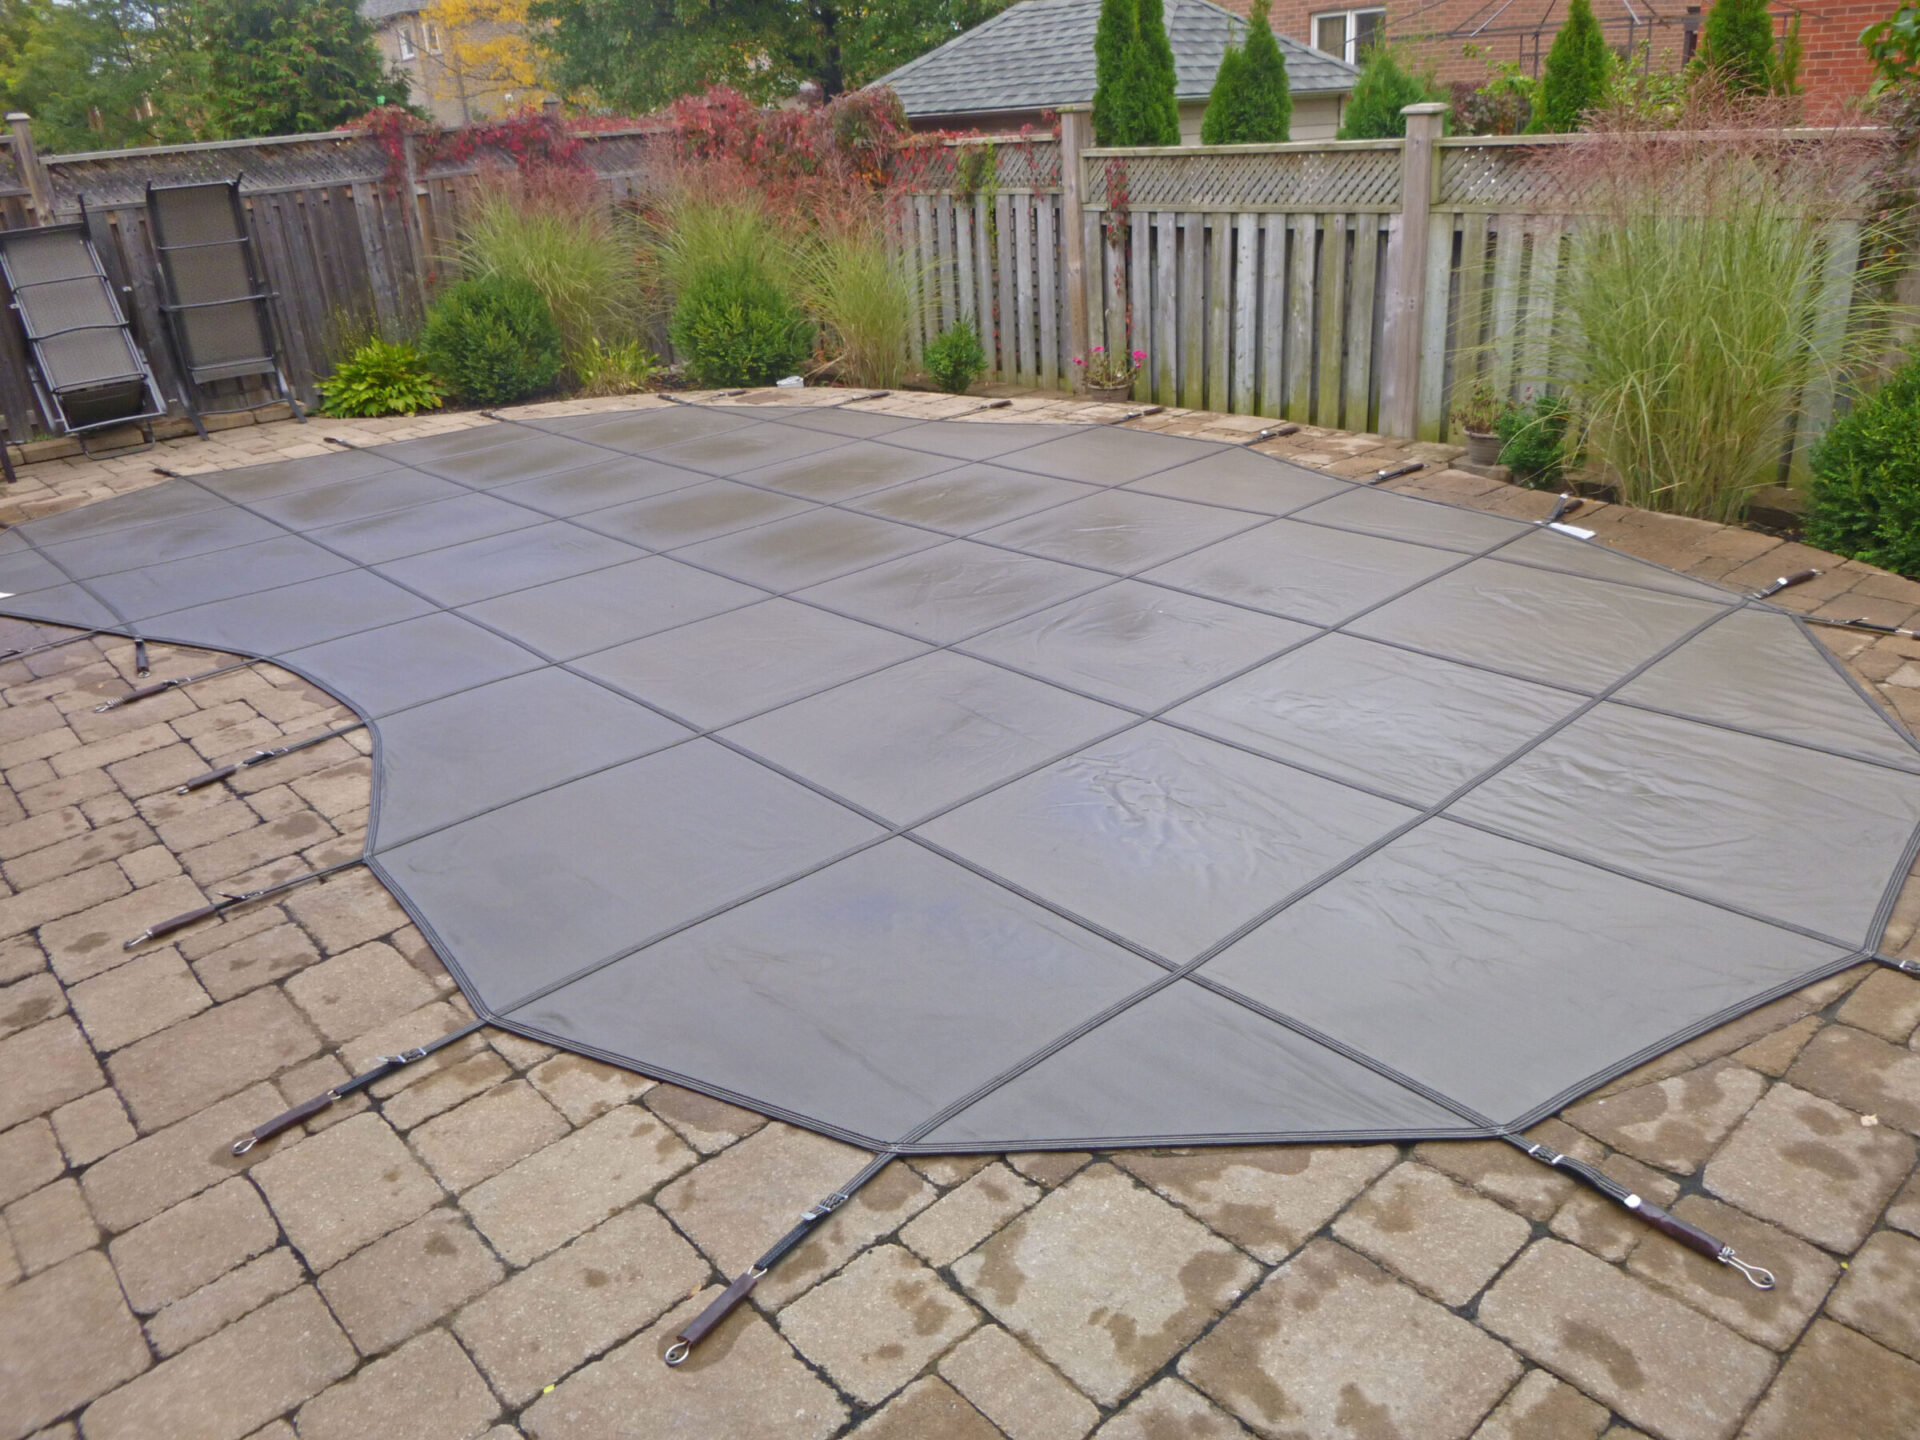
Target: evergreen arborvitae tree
(1154, 76)
(1133, 93)
(1251, 103)
(1384, 86)
(1577, 69)
(1736, 46)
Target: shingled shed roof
(1039, 53)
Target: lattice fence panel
(1506, 179)
(1268, 181)
(1018, 165)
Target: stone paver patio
(500, 1242)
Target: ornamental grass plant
(861, 295)
(1690, 318)
(548, 229)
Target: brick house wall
(1834, 70)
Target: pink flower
(1138, 356)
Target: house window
(406, 42)
(430, 33)
(1347, 34)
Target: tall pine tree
(1578, 66)
(1133, 95)
(1251, 103)
(285, 67)
(1737, 48)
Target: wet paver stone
(499, 1243)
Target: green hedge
(1865, 499)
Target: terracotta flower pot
(1482, 449)
(1111, 394)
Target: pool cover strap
(229, 901)
(724, 1303)
(260, 757)
(384, 1066)
(1663, 1220)
(160, 687)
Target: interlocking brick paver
(140, 1180)
(132, 1001)
(928, 1409)
(29, 1158)
(344, 1187)
(1773, 1054)
(1498, 1170)
(232, 1382)
(1887, 1004)
(1266, 1200)
(1543, 1408)
(707, 1124)
(1677, 1123)
(77, 891)
(1665, 1367)
(409, 1279)
(444, 1089)
(573, 1184)
(49, 1225)
(874, 1326)
(27, 1003)
(426, 1390)
(487, 1134)
(1015, 1390)
(1049, 1167)
(579, 1301)
(204, 1059)
(351, 993)
(582, 1089)
(1805, 1163)
(1837, 1383)
(195, 1242)
(65, 1337)
(1904, 1209)
(967, 1214)
(192, 1318)
(1105, 1280)
(1303, 1352)
(743, 1383)
(1880, 1293)
(43, 1068)
(1775, 1317)
(77, 853)
(1863, 1073)
(345, 911)
(1172, 1409)
(86, 944)
(1433, 1231)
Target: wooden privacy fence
(1360, 285)
(343, 250)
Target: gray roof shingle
(385, 9)
(1039, 53)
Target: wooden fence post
(26, 159)
(1407, 274)
(1076, 130)
(412, 225)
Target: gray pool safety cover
(978, 785)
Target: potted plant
(1110, 377)
(1479, 416)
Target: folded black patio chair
(214, 295)
(87, 370)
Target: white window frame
(405, 33)
(433, 41)
(1350, 51)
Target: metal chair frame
(258, 295)
(52, 398)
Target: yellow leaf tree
(488, 46)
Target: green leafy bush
(1385, 85)
(614, 369)
(1737, 50)
(734, 326)
(1251, 103)
(493, 340)
(1533, 441)
(955, 357)
(1579, 68)
(380, 378)
(1865, 499)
